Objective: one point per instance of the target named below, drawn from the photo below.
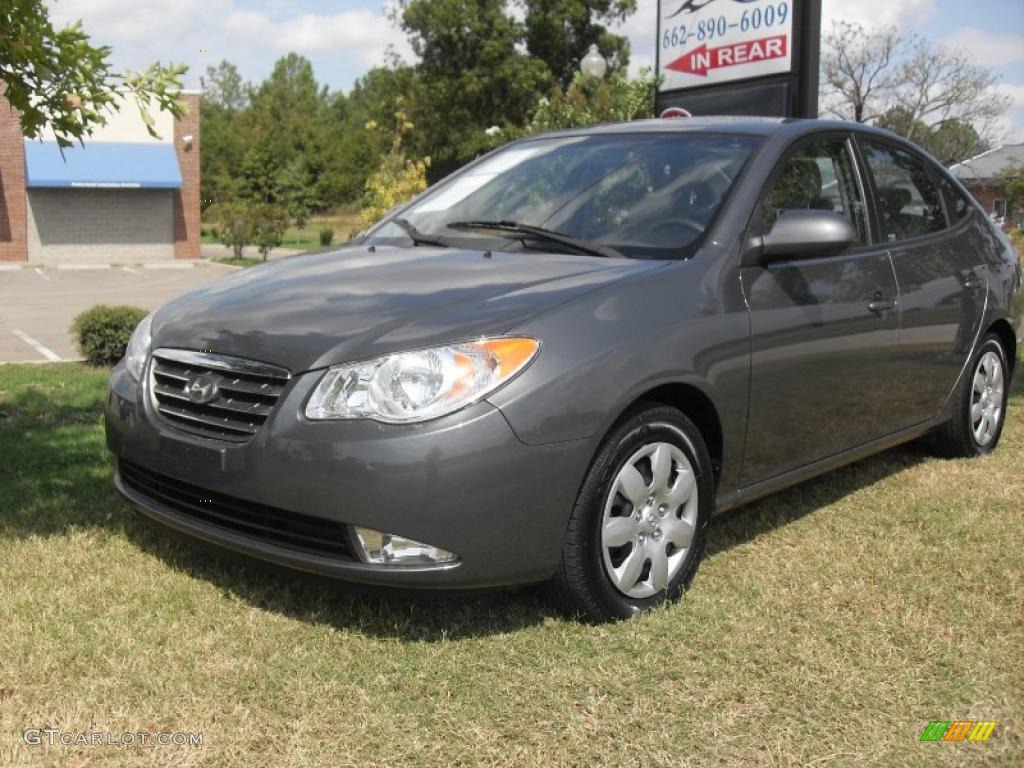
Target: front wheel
(638, 529)
(980, 411)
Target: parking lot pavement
(37, 304)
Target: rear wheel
(638, 528)
(977, 421)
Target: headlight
(419, 385)
(138, 348)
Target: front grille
(305, 533)
(245, 396)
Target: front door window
(818, 175)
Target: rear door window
(909, 201)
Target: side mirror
(807, 234)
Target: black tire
(956, 438)
(582, 585)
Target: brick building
(980, 175)
(123, 197)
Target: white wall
(127, 125)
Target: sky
(344, 39)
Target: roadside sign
(723, 40)
(739, 56)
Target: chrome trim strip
(223, 362)
(249, 429)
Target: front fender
(685, 324)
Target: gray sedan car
(558, 363)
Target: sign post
(739, 57)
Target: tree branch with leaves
(858, 69)
(933, 95)
(57, 78)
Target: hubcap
(649, 520)
(987, 398)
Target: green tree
(397, 178)
(223, 88)
(288, 111)
(269, 223)
(260, 175)
(559, 33)
(234, 225)
(279, 154)
(298, 192)
(226, 132)
(57, 78)
(955, 140)
(950, 141)
(352, 153)
(472, 74)
(587, 101)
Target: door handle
(972, 284)
(880, 306)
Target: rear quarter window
(958, 204)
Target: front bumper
(464, 482)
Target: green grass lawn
(827, 626)
(307, 238)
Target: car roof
(752, 126)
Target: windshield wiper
(525, 231)
(417, 237)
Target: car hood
(311, 311)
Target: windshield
(643, 195)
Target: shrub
(102, 332)
(268, 222)
(398, 178)
(616, 99)
(1017, 239)
(326, 235)
(234, 225)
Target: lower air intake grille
(215, 396)
(305, 533)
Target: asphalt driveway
(37, 304)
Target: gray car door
(823, 330)
(938, 269)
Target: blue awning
(102, 164)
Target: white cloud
(363, 34)
(878, 13)
(1015, 91)
(641, 28)
(202, 32)
(986, 48)
(155, 21)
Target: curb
(43, 362)
(167, 265)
